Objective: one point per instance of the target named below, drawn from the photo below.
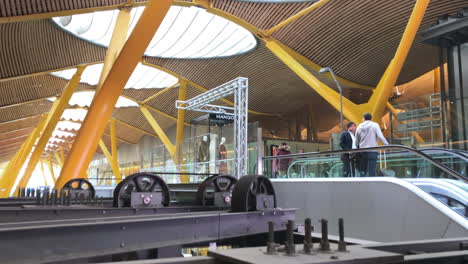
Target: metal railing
(398, 148)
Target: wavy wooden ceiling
(356, 38)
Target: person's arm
(342, 141)
(357, 138)
(380, 135)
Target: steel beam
(157, 128)
(351, 111)
(384, 89)
(62, 240)
(294, 17)
(50, 164)
(115, 169)
(12, 171)
(159, 93)
(114, 160)
(53, 118)
(119, 36)
(101, 109)
(58, 159)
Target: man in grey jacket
(367, 135)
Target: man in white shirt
(347, 142)
(367, 135)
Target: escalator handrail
(459, 154)
(439, 165)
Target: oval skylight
(84, 99)
(144, 77)
(186, 32)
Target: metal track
(47, 241)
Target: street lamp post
(328, 69)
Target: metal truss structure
(238, 87)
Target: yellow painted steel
(62, 155)
(136, 128)
(395, 112)
(384, 89)
(162, 136)
(180, 131)
(51, 168)
(43, 172)
(303, 60)
(115, 167)
(115, 160)
(254, 30)
(350, 110)
(53, 118)
(295, 17)
(119, 36)
(58, 159)
(11, 173)
(159, 93)
(101, 109)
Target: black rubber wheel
(80, 184)
(140, 182)
(244, 195)
(217, 183)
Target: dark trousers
(368, 163)
(348, 165)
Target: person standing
(283, 163)
(347, 142)
(367, 135)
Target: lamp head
(324, 70)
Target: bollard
(68, 198)
(308, 245)
(290, 247)
(45, 196)
(62, 197)
(38, 197)
(324, 244)
(271, 246)
(341, 243)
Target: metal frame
(62, 240)
(238, 87)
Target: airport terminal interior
(233, 131)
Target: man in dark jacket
(347, 142)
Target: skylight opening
(185, 33)
(143, 77)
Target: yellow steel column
(115, 169)
(114, 158)
(62, 155)
(51, 168)
(119, 35)
(101, 109)
(162, 136)
(350, 110)
(43, 172)
(295, 17)
(12, 172)
(58, 159)
(384, 89)
(52, 119)
(180, 130)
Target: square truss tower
(238, 87)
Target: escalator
(426, 199)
